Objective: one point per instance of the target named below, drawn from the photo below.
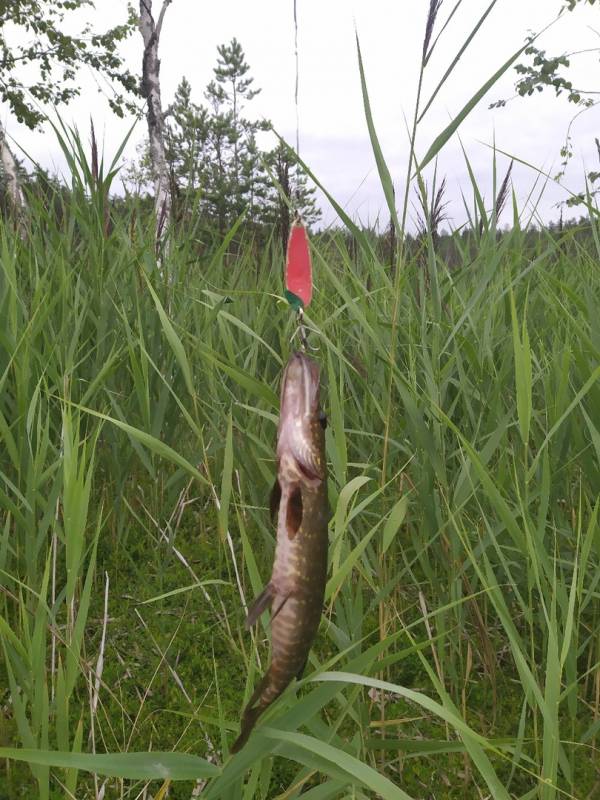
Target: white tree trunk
(13, 184)
(150, 89)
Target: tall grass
(459, 653)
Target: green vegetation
(41, 56)
(459, 650)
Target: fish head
(300, 393)
(301, 437)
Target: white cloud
(333, 135)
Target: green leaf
(473, 741)
(361, 772)
(393, 522)
(451, 129)
(134, 766)
(457, 58)
(523, 372)
(226, 480)
(173, 339)
(151, 442)
(183, 589)
(384, 173)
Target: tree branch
(161, 16)
(148, 10)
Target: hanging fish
(299, 503)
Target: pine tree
(215, 160)
(235, 90)
(188, 134)
(236, 181)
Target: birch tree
(150, 90)
(11, 175)
(39, 67)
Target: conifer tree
(215, 160)
(236, 182)
(188, 133)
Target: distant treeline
(452, 248)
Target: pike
(299, 503)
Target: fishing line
(296, 103)
(300, 421)
(298, 264)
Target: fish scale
(299, 500)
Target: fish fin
(310, 474)
(275, 499)
(293, 517)
(251, 713)
(260, 604)
(279, 607)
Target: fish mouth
(300, 386)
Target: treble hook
(301, 331)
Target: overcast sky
(333, 133)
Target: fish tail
(255, 707)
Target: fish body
(299, 503)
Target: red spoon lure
(298, 268)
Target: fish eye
(323, 419)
